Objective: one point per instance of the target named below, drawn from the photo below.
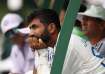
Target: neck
(53, 40)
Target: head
(10, 21)
(9, 25)
(16, 37)
(44, 27)
(93, 27)
(93, 23)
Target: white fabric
(5, 65)
(93, 11)
(10, 21)
(25, 30)
(29, 72)
(43, 60)
(22, 61)
(80, 59)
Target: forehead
(36, 21)
(89, 18)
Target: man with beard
(44, 27)
(83, 56)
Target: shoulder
(78, 42)
(79, 47)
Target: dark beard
(45, 36)
(34, 42)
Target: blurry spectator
(21, 56)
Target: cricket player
(88, 56)
(44, 27)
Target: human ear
(51, 27)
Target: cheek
(93, 29)
(38, 31)
(88, 28)
(91, 26)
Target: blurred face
(18, 39)
(39, 35)
(15, 37)
(90, 27)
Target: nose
(34, 34)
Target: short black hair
(46, 16)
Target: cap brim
(25, 30)
(79, 16)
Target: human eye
(33, 26)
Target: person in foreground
(88, 56)
(44, 27)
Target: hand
(36, 43)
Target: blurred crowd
(28, 45)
